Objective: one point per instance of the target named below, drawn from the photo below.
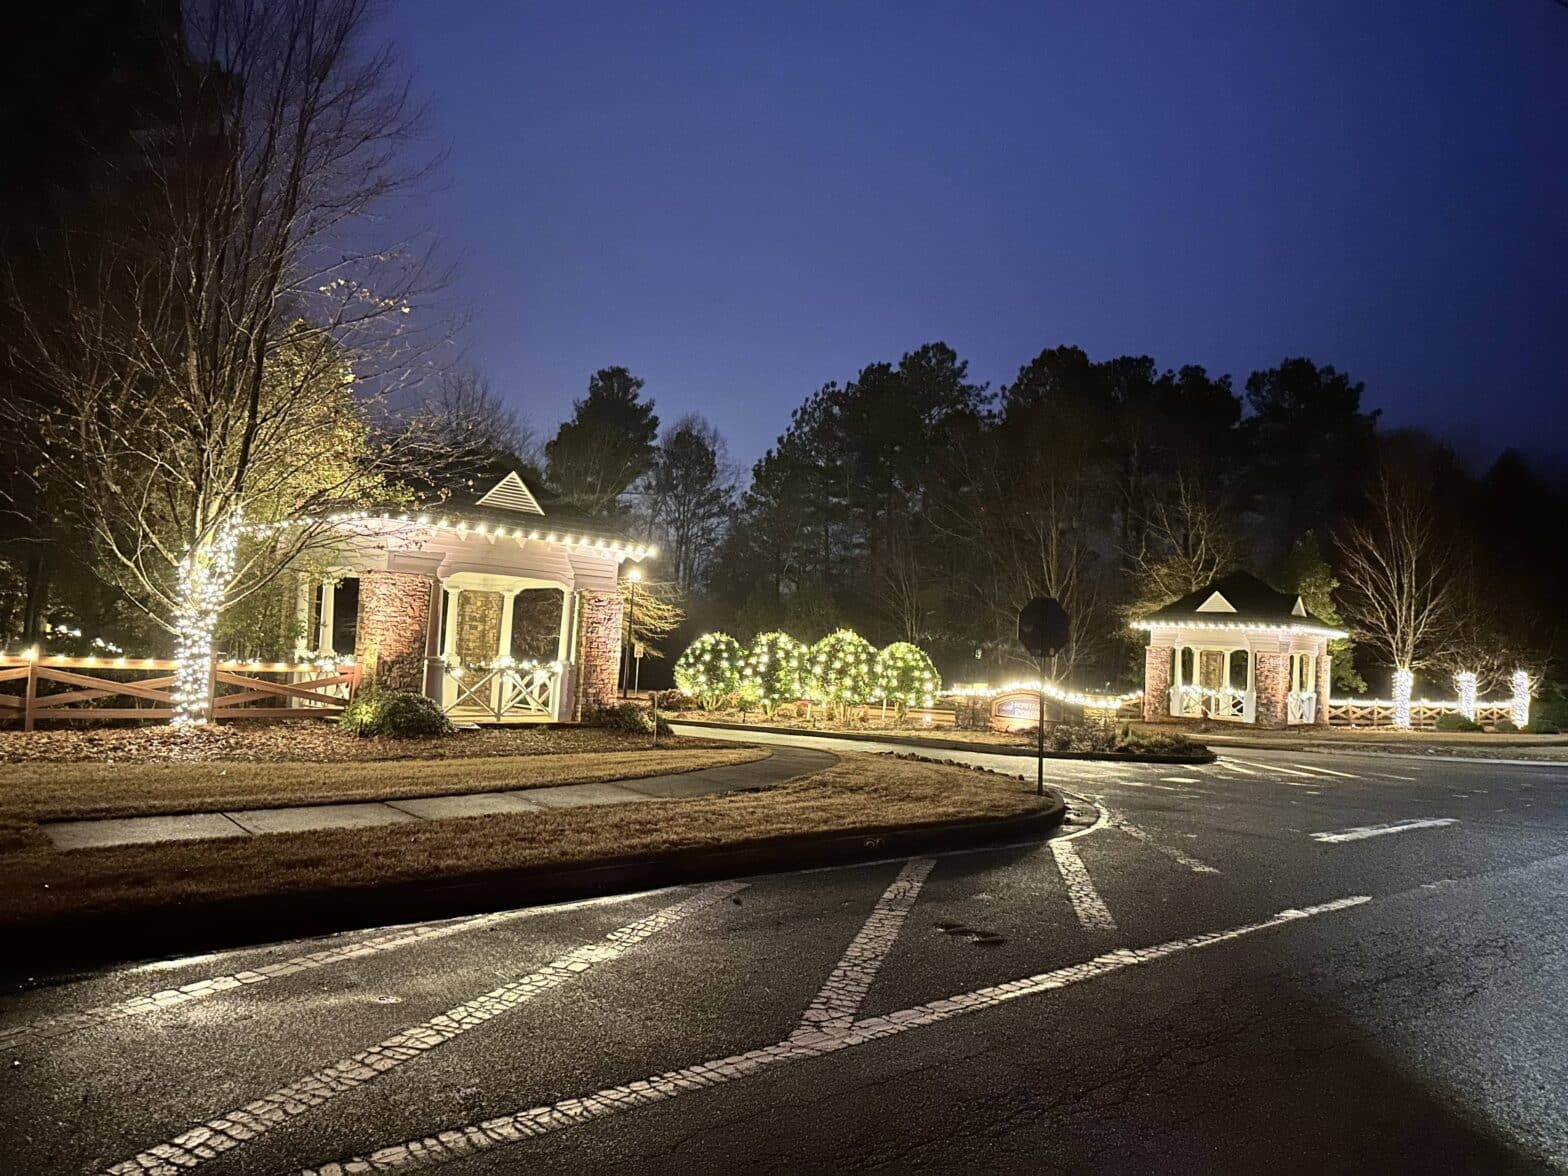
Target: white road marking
(464, 1141)
(1181, 780)
(1266, 768)
(1364, 831)
(1326, 771)
(1087, 903)
(1169, 851)
(1230, 765)
(840, 998)
(48, 1027)
(223, 1134)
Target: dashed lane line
(1230, 765)
(45, 1028)
(1087, 903)
(835, 1006)
(1361, 832)
(469, 1140)
(217, 1136)
(1170, 851)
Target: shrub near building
(905, 677)
(841, 671)
(710, 669)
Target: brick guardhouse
(1240, 651)
(499, 603)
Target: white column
(508, 601)
(449, 641)
(563, 646)
(324, 630)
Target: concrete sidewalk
(783, 764)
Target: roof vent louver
(510, 493)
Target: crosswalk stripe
(1362, 832)
(1087, 903)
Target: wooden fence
(1372, 713)
(57, 689)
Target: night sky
(741, 202)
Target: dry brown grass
(860, 793)
(54, 792)
(298, 741)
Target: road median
(67, 909)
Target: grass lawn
(32, 792)
(861, 792)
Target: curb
(103, 938)
(1207, 756)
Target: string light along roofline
(633, 551)
(1242, 626)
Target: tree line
(913, 504)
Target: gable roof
(498, 490)
(1239, 598)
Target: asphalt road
(1290, 962)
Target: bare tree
(687, 498)
(204, 372)
(1183, 545)
(1397, 577)
(467, 417)
(905, 589)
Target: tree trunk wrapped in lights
(1464, 682)
(1403, 681)
(204, 580)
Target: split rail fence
(56, 689)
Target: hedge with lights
(905, 676)
(774, 672)
(710, 669)
(841, 671)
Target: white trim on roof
(510, 493)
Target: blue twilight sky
(740, 201)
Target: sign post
(1043, 630)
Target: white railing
(1200, 702)
(503, 692)
(1301, 707)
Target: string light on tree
(1404, 680)
(774, 671)
(1464, 681)
(204, 576)
(905, 676)
(710, 669)
(1521, 699)
(841, 671)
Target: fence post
(30, 695)
(212, 686)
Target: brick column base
(1271, 683)
(394, 616)
(598, 652)
(1156, 683)
(1325, 677)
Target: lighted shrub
(774, 671)
(399, 713)
(841, 671)
(710, 669)
(905, 676)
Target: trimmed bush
(1543, 727)
(1454, 721)
(401, 714)
(774, 672)
(905, 676)
(1505, 727)
(710, 669)
(841, 671)
(627, 717)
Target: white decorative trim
(1216, 603)
(1241, 626)
(511, 493)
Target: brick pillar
(1271, 684)
(394, 618)
(1325, 677)
(1156, 683)
(598, 651)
